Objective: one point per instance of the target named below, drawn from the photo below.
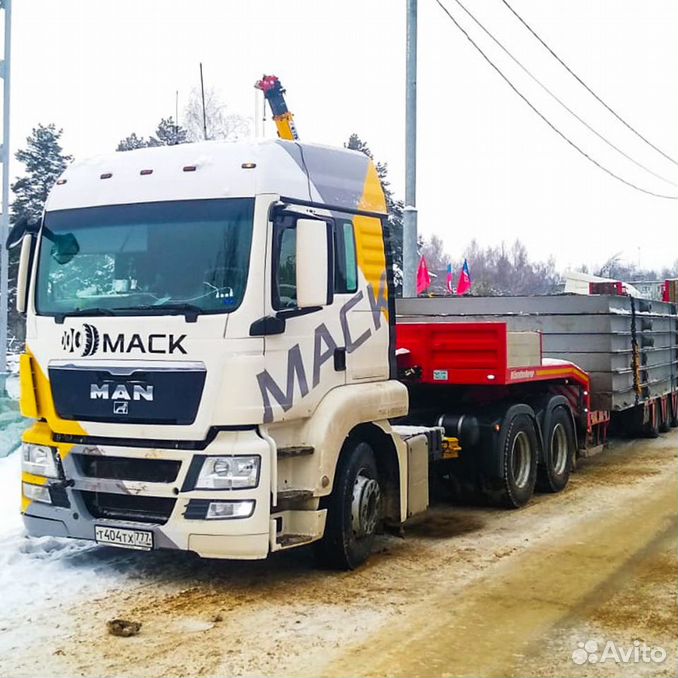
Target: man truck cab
(210, 353)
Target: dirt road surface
(468, 592)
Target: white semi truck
(210, 354)
(211, 363)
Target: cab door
(305, 357)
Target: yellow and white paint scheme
(299, 437)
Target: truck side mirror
(23, 274)
(64, 247)
(20, 227)
(312, 263)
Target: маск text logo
(89, 340)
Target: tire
(518, 458)
(559, 443)
(663, 425)
(353, 509)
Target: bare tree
(618, 269)
(495, 271)
(220, 123)
(433, 250)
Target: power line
(588, 89)
(543, 117)
(560, 101)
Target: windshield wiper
(190, 311)
(94, 311)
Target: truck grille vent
(128, 468)
(129, 507)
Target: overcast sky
(488, 167)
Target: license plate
(118, 536)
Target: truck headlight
(229, 473)
(36, 493)
(39, 460)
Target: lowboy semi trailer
(213, 363)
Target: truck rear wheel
(554, 474)
(353, 510)
(518, 457)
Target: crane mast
(274, 93)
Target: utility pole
(202, 93)
(6, 5)
(410, 262)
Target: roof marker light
(190, 168)
(61, 182)
(146, 172)
(106, 175)
(248, 165)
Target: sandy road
(470, 591)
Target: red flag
(464, 284)
(423, 277)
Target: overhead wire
(586, 87)
(560, 101)
(544, 118)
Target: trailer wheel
(554, 474)
(353, 510)
(518, 463)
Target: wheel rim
(559, 449)
(365, 505)
(520, 459)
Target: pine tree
(44, 160)
(167, 133)
(395, 210)
(131, 143)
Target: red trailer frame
(476, 354)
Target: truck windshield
(124, 258)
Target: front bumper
(156, 500)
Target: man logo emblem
(121, 407)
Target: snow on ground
(43, 572)
(29, 567)
(41, 578)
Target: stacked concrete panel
(628, 346)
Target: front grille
(127, 468)
(129, 507)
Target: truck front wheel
(353, 509)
